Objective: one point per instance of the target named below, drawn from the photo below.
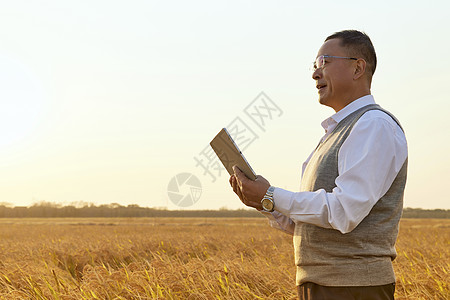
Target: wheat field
(181, 258)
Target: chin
(323, 100)
(326, 102)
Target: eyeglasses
(320, 61)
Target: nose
(317, 74)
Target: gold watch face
(267, 204)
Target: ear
(360, 69)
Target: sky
(116, 102)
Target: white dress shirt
(368, 162)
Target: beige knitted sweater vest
(364, 256)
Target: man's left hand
(249, 191)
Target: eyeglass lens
(318, 63)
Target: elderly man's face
(335, 78)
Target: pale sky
(107, 101)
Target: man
(345, 218)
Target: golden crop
(180, 258)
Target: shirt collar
(347, 110)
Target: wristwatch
(267, 201)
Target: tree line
(114, 210)
(52, 210)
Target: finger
(240, 195)
(233, 183)
(235, 186)
(240, 177)
(237, 190)
(239, 174)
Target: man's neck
(344, 102)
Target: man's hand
(250, 192)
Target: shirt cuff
(282, 200)
(272, 220)
(268, 215)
